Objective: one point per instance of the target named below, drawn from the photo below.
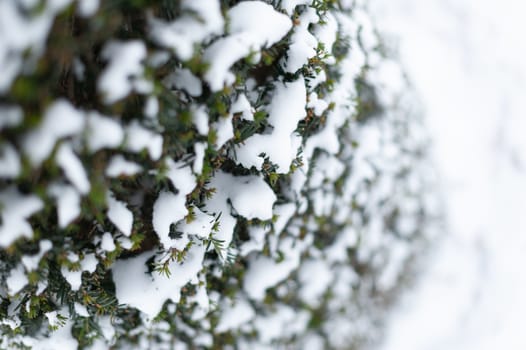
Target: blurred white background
(467, 60)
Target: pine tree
(203, 174)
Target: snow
(68, 161)
(9, 162)
(284, 322)
(73, 257)
(74, 278)
(199, 149)
(184, 79)
(31, 262)
(181, 177)
(200, 20)
(398, 253)
(119, 166)
(22, 38)
(466, 59)
(277, 243)
(60, 120)
(242, 190)
(234, 316)
(284, 213)
(327, 32)
(132, 282)
(89, 263)
(337, 252)
(151, 107)
(169, 208)
(124, 69)
(139, 138)
(314, 277)
(87, 8)
(103, 132)
(257, 240)
(318, 105)
(201, 299)
(15, 209)
(200, 119)
(107, 243)
(224, 130)
(316, 79)
(125, 242)
(264, 273)
(253, 25)
(302, 43)
(106, 327)
(281, 145)
(81, 310)
(313, 341)
(10, 116)
(252, 198)
(52, 318)
(16, 280)
(59, 339)
(290, 5)
(119, 214)
(242, 105)
(68, 203)
(265, 24)
(200, 226)
(327, 167)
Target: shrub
(202, 174)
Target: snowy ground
(466, 59)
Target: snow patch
(242, 105)
(281, 145)
(124, 70)
(103, 132)
(200, 119)
(224, 130)
(199, 150)
(15, 210)
(87, 8)
(119, 214)
(139, 138)
(234, 316)
(81, 310)
(184, 79)
(60, 120)
(68, 161)
(314, 277)
(303, 44)
(200, 20)
(181, 177)
(119, 166)
(290, 5)
(10, 116)
(253, 25)
(68, 203)
(264, 272)
(107, 243)
(16, 280)
(10, 165)
(168, 209)
(31, 262)
(133, 282)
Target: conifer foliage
(181, 174)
